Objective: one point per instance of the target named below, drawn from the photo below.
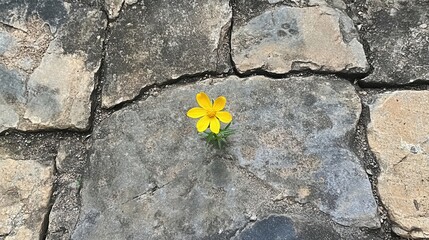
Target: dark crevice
(368, 53)
(99, 77)
(352, 77)
(192, 78)
(149, 192)
(416, 85)
(182, 80)
(12, 132)
(361, 35)
(3, 236)
(233, 4)
(104, 9)
(224, 48)
(45, 224)
(360, 146)
(121, 9)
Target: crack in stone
(402, 160)
(150, 192)
(224, 38)
(52, 199)
(414, 149)
(16, 28)
(182, 79)
(4, 235)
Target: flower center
(211, 113)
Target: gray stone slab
(284, 39)
(157, 41)
(47, 73)
(152, 177)
(397, 33)
(12, 97)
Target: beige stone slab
(399, 136)
(25, 190)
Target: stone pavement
(328, 99)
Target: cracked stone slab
(154, 42)
(284, 39)
(398, 136)
(397, 33)
(25, 190)
(48, 65)
(152, 177)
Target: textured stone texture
(283, 227)
(285, 39)
(25, 190)
(113, 7)
(70, 162)
(157, 41)
(16, 13)
(398, 135)
(398, 37)
(47, 72)
(159, 180)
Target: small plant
(210, 115)
(219, 140)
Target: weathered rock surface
(283, 227)
(157, 41)
(284, 39)
(16, 13)
(398, 135)
(113, 7)
(151, 177)
(70, 162)
(49, 54)
(25, 190)
(397, 33)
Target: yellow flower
(209, 113)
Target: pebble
(369, 172)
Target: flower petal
(196, 112)
(204, 101)
(203, 123)
(219, 103)
(214, 125)
(224, 117)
